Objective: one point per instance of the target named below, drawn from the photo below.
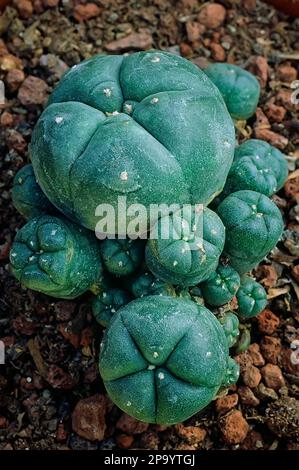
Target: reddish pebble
(255, 354)
(185, 49)
(194, 30)
(287, 73)
(86, 12)
(273, 376)
(130, 425)
(88, 418)
(260, 68)
(14, 79)
(3, 422)
(6, 119)
(25, 8)
(32, 91)
(274, 112)
(271, 348)
(291, 188)
(247, 396)
(267, 322)
(251, 376)
(124, 441)
(234, 427)
(212, 15)
(226, 403)
(192, 434)
(218, 53)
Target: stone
(255, 354)
(286, 73)
(140, 40)
(226, 403)
(14, 79)
(253, 441)
(274, 112)
(259, 67)
(192, 434)
(88, 418)
(185, 49)
(268, 322)
(6, 120)
(247, 396)
(15, 140)
(50, 3)
(9, 62)
(25, 8)
(291, 188)
(218, 53)
(234, 427)
(130, 425)
(273, 376)
(86, 12)
(33, 91)
(251, 376)
(124, 441)
(271, 348)
(265, 393)
(212, 15)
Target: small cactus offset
(153, 130)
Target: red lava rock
(226, 403)
(14, 79)
(88, 418)
(253, 441)
(260, 68)
(271, 348)
(274, 112)
(141, 40)
(33, 91)
(247, 396)
(277, 140)
(66, 331)
(25, 8)
(3, 422)
(273, 376)
(86, 12)
(60, 379)
(124, 441)
(192, 434)
(234, 427)
(251, 376)
(244, 360)
(9, 62)
(61, 433)
(6, 120)
(212, 15)
(291, 188)
(194, 30)
(130, 425)
(268, 322)
(185, 49)
(286, 73)
(295, 272)
(255, 354)
(218, 53)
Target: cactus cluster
(156, 129)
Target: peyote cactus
(192, 251)
(27, 196)
(252, 298)
(257, 166)
(151, 129)
(230, 324)
(146, 284)
(239, 88)
(107, 303)
(149, 126)
(253, 226)
(163, 359)
(122, 257)
(221, 286)
(54, 256)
